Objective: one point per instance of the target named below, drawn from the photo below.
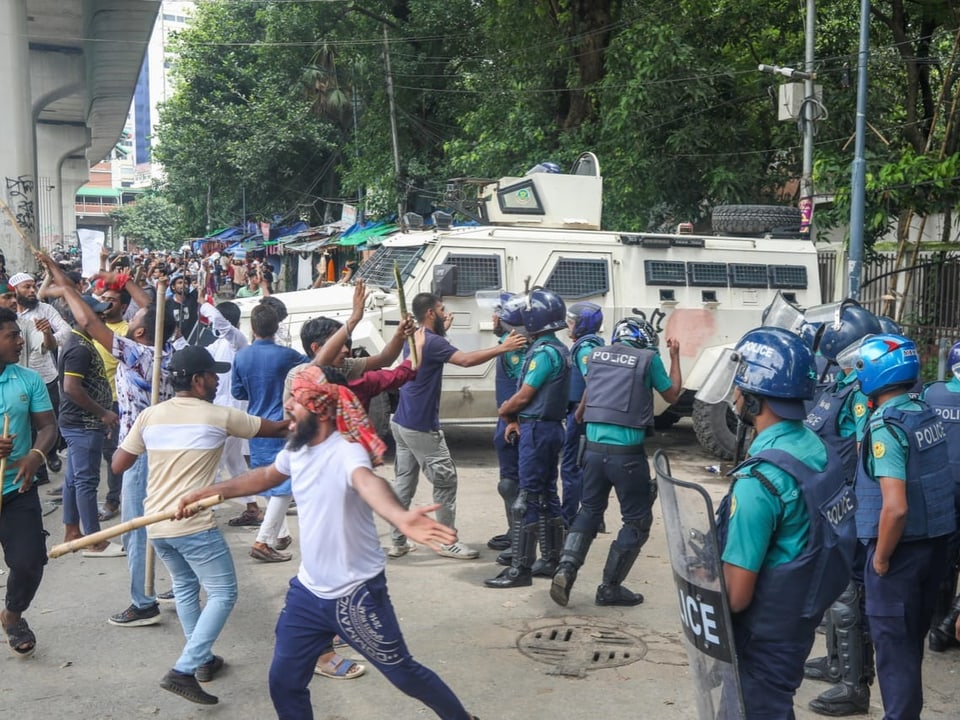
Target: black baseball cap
(194, 359)
(95, 305)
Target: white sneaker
(395, 551)
(459, 551)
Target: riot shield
(688, 518)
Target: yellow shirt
(109, 361)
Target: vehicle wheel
(665, 420)
(380, 415)
(716, 428)
(754, 219)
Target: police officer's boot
(851, 695)
(943, 634)
(825, 668)
(571, 560)
(507, 487)
(524, 550)
(619, 562)
(550, 532)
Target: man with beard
(340, 588)
(183, 438)
(44, 330)
(416, 424)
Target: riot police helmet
(635, 332)
(543, 311)
(778, 366)
(852, 324)
(509, 310)
(889, 325)
(953, 360)
(587, 318)
(886, 361)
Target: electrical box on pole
(790, 97)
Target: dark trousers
(24, 543)
(899, 610)
(508, 456)
(366, 620)
(53, 390)
(114, 480)
(629, 476)
(571, 475)
(540, 445)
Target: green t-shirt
(22, 392)
(658, 379)
(246, 292)
(766, 531)
(888, 444)
(512, 361)
(852, 419)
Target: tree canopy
(152, 221)
(284, 104)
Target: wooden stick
(402, 299)
(3, 462)
(138, 522)
(150, 559)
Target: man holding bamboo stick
(25, 406)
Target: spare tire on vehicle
(754, 219)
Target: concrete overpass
(68, 69)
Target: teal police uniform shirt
(582, 357)
(852, 420)
(22, 392)
(545, 364)
(766, 531)
(888, 445)
(512, 361)
(607, 434)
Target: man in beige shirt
(183, 438)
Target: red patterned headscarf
(311, 389)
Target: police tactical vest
(946, 404)
(790, 599)
(550, 402)
(506, 381)
(577, 382)
(823, 419)
(827, 375)
(929, 481)
(618, 390)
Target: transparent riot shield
(688, 518)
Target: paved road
(87, 669)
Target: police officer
(905, 515)
(583, 323)
(838, 416)
(536, 412)
(944, 398)
(508, 368)
(786, 528)
(617, 408)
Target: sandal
(250, 518)
(108, 512)
(340, 668)
(20, 634)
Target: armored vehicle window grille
(475, 272)
(748, 276)
(378, 270)
(578, 277)
(707, 274)
(788, 276)
(665, 272)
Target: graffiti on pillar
(20, 198)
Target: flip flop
(340, 668)
(111, 551)
(20, 634)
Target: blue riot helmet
(851, 324)
(635, 332)
(542, 311)
(889, 325)
(509, 311)
(587, 318)
(810, 334)
(885, 361)
(953, 360)
(778, 366)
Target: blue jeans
(82, 477)
(365, 619)
(194, 561)
(135, 541)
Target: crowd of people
(839, 416)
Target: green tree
(152, 221)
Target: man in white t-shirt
(183, 438)
(340, 588)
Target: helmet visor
(847, 358)
(718, 387)
(782, 314)
(956, 370)
(488, 300)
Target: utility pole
(859, 170)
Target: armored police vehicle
(544, 228)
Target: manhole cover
(574, 649)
